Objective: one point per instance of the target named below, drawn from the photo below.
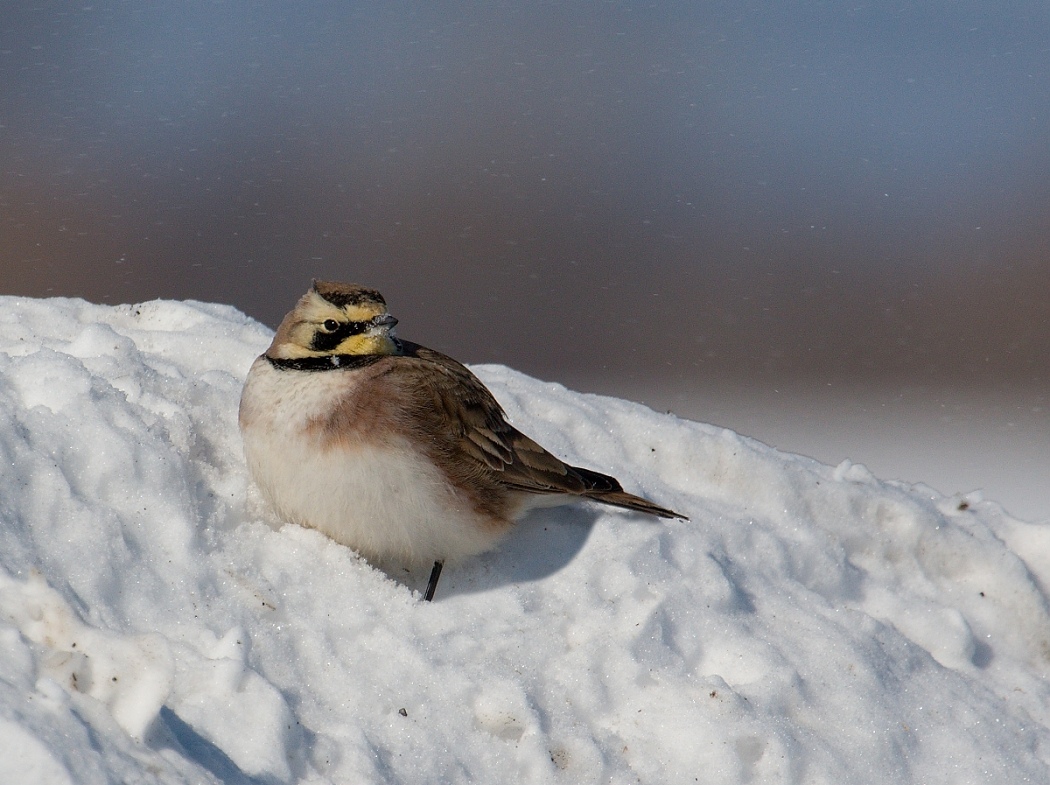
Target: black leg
(433, 583)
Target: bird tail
(607, 490)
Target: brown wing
(453, 402)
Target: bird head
(336, 318)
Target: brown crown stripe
(341, 295)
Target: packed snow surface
(808, 624)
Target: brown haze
(666, 202)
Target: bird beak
(386, 320)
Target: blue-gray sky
(606, 190)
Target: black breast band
(330, 362)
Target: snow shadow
(542, 543)
(191, 745)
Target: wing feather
(453, 406)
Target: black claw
(433, 583)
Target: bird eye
(331, 325)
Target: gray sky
(677, 192)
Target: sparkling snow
(809, 624)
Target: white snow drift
(809, 624)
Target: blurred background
(822, 224)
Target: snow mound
(158, 624)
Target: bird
(397, 451)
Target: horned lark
(390, 448)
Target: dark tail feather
(607, 490)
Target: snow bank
(157, 624)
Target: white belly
(386, 501)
